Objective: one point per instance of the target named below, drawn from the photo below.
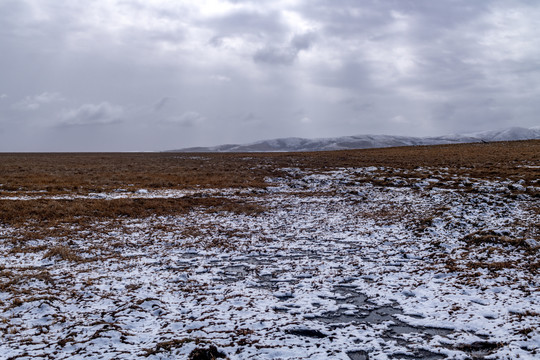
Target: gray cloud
(348, 75)
(92, 114)
(403, 67)
(275, 55)
(303, 41)
(187, 119)
(284, 55)
(35, 102)
(247, 22)
(159, 105)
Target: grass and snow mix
(350, 263)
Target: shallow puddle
(369, 314)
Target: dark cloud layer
(284, 54)
(158, 74)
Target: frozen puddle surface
(333, 269)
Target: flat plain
(427, 252)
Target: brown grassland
(90, 172)
(83, 173)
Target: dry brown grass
(64, 253)
(50, 212)
(11, 280)
(169, 345)
(487, 237)
(83, 173)
(87, 172)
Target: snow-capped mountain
(513, 133)
(371, 141)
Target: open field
(400, 253)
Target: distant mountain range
(370, 141)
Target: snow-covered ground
(336, 267)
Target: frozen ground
(336, 267)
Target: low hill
(370, 141)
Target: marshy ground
(402, 253)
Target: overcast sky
(142, 75)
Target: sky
(150, 75)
